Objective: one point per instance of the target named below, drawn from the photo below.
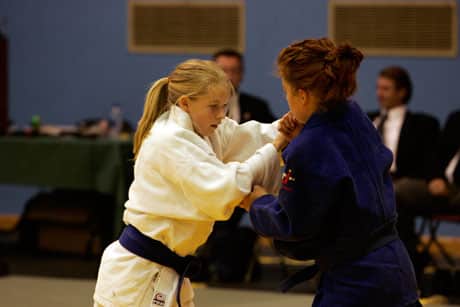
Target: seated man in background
(228, 255)
(448, 186)
(413, 138)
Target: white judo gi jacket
(182, 184)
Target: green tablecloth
(102, 165)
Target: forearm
(268, 217)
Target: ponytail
(329, 71)
(341, 65)
(156, 103)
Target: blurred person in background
(229, 256)
(413, 138)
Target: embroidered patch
(286, 179)
(159, 299)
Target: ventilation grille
(185, 27)
(396, 28)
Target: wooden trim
(452, 51)
(8, 222)
(132, 4)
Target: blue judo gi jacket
(337, 205)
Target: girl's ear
(184, 103)
(303, 94)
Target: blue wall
(69, 59)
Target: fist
(257, 192)
(289, 126)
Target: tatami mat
(25, 291)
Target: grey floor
(47, 279)
(19, 291)
(26, 291)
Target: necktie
(381, 124)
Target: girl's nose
(222, 112)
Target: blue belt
(143, 246)
(386, 234)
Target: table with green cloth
(102, 165)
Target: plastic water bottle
(116, 117)
(35, 123)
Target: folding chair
(433, 222)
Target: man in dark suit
(448, 185)
(413, 139)
(243, 107)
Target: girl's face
(207, 111)
(296, 100)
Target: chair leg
(248, 277)
(422, 227)
(284, 267)
(434, 226)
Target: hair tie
(331, 55)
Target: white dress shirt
(451, 167)
(392, 129)
(234, 111)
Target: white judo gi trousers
(125, 279)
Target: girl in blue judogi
(336, 204)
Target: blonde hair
(192, 78)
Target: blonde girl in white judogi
(193, 166)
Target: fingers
(292, 121)
(257, 192)
(288, 122)
(285, 131)
(245, 204)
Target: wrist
(280, 144)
